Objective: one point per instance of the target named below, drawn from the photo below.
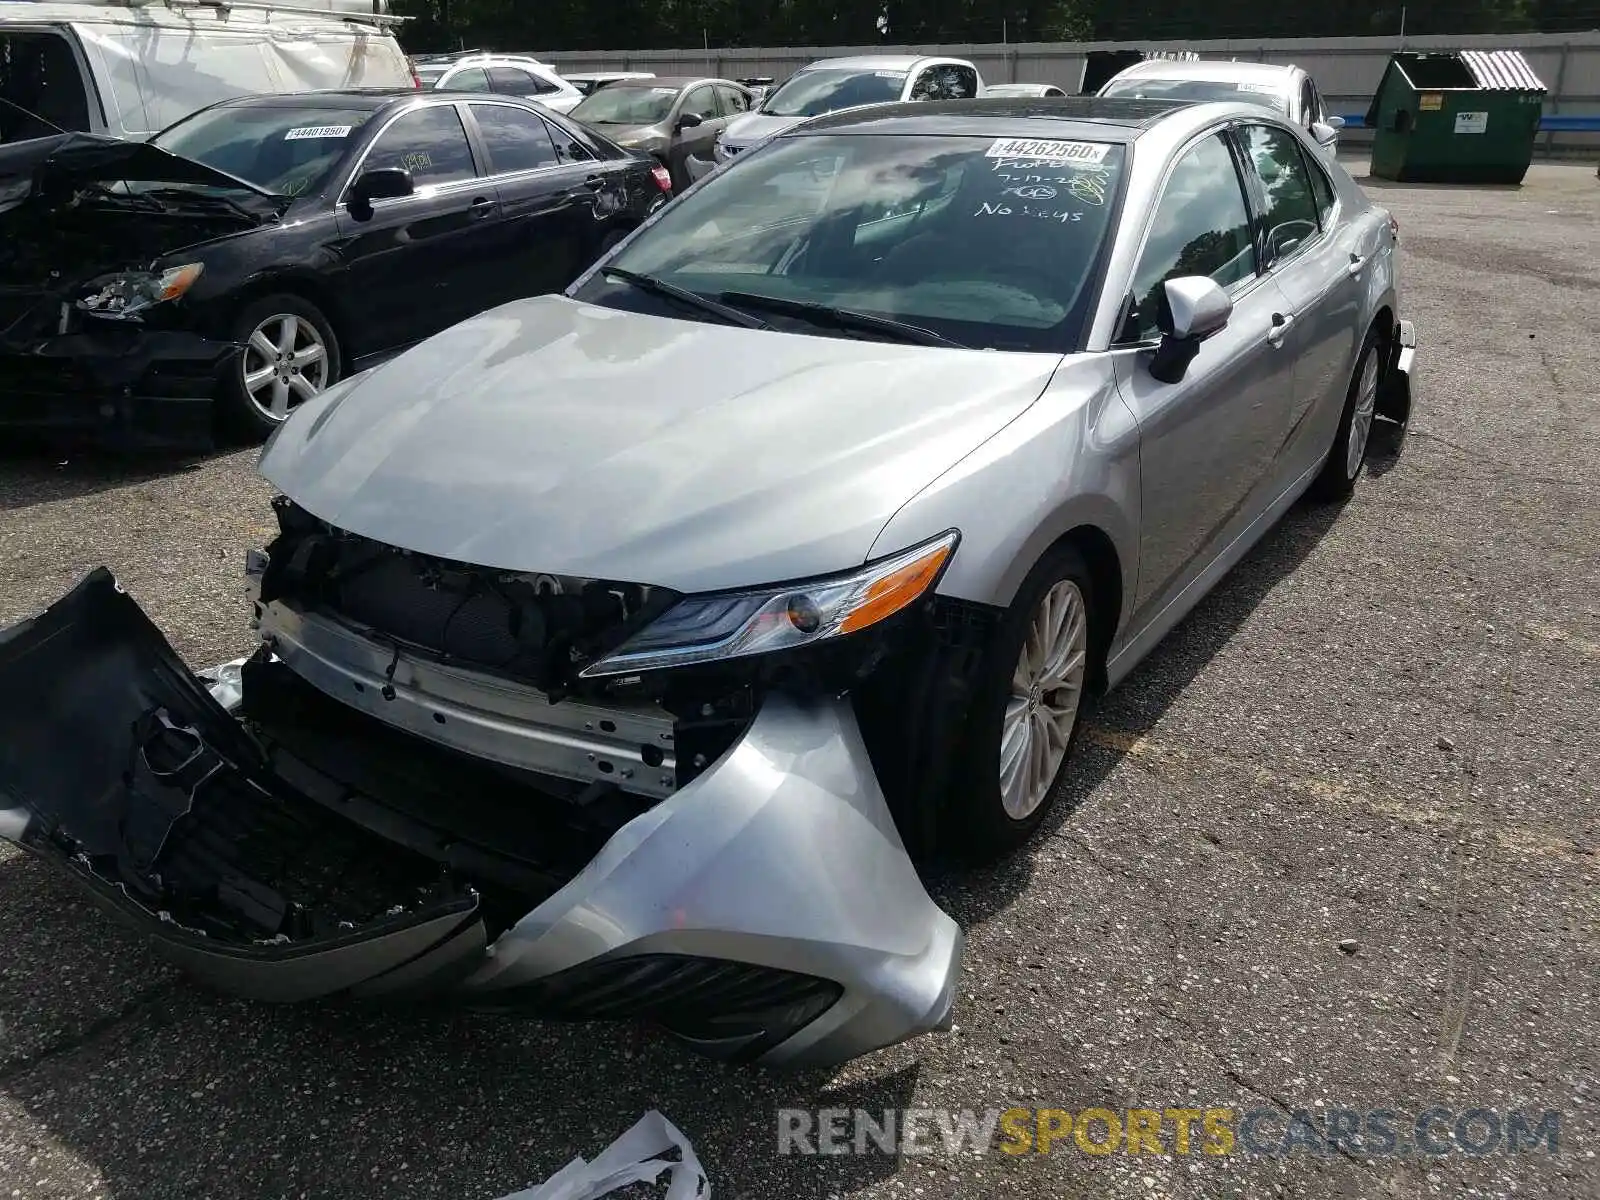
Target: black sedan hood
(89, 158)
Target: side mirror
(1335, 122)
(381, 183)
(1326, 134)
(689, 121)
(1192, 309)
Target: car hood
(88, 158)
(757, 127)
(554, 436)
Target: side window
(702, 102)
(1201, 227)
(569, 148)
(1308, 104)
(430, 143)
(509, 81)
(1322, 188)
(516, 140)
(733, 101)
(1291, 206)
(945, 82)
(39, 72)
(472, 79)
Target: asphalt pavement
(1333, 846)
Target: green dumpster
(1467, 117)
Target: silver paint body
(554, 436)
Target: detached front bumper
(132, 388)
(765, 911)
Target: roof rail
(376, 12)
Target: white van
(129, 68)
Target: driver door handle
(1281, 324)
(1356, 265)
(595, 183)
(480, 208)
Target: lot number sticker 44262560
(1049, 150)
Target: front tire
(1351, 441)
(290, 355)
(1027, 702)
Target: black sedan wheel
(290, 355)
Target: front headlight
(125, 295)
(712, 628)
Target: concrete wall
(1346, 69)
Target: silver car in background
(1288, 90)
(835, 84)
(616, 646)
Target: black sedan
(255, 252)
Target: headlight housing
(127, 294)
(724, 625)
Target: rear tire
(291, 354)
(1026, 708)
(1353, 438)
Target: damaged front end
(422, 784)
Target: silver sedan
(616, 646)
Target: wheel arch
(304, 286)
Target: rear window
(289, 151)
(1200, 91)
(811, 93)
(991, 242)
(625, 104)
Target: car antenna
(28, 112)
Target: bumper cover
(131, 388)
(765, 911)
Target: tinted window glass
(702, 102)
(511, 81)
(989, 250)
(1291, 207)
(1322, 186)
(811, 93)
(1308, 102)
(429, 143)
(948, 82)
(473, 79)
(517, 140)
(1201, 227)
(733, 100)
(290, 151)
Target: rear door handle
(480, 208)
(1281, 324)
(1357, 264)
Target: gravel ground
(1380, 727)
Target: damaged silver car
(616, 646)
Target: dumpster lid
(1502, 71)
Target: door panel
(417, 264)
(1320, 280)
(551, 211)
(1208, 442)
(702, 101)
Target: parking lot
(1380, 730)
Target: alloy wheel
(1043, 707)
(285, 363)
(1361, 418)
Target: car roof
(675, 81)
(879, 62)
(1209, 71)
(1088, 118)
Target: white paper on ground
(635, 1157)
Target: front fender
(1070, 460)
